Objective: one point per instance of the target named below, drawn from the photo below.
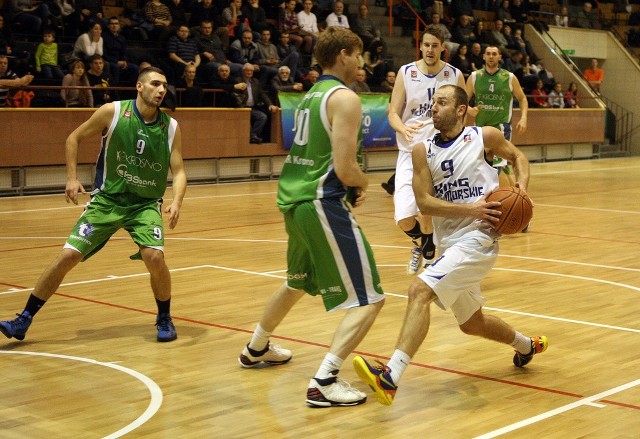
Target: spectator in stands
(311, 79)
(183, 50)
(594, 75)
(463, 32)
(115, 53)
(205, 10)
(234, 20)
(512, 43)
(270, 57)
(451, 46)
(177, 11)
(556, 97)
(77, 77)
(32, 17)
(562, 19)
(193, 95)
(365, 27)
(46, 57)
(212, 53)
(504, 13)
(232, 88)
(283, 82)
(524, 45)
(256, 15)
(337, 17)
(571, 96)
(375, 63)
(89, 12)
(461, 61)
(389, 80)
(285, 48)
(100, 79)
(514, 64)
(496, 37)
(10, 79)
(308, 21)
(539, 99)
(89, 43)
(475, 57)
(66, 13)
(256, 98)
(6, 38)
(360, 84)
(586, 18)
(245, 51)
(288, 22)
(458, 8)
(159, 16)
(519, 11)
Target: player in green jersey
(140, 144)
(494, 89)
(327, 254)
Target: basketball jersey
(460, 174)
(419, 90)
(494, 97)
(135, 155)
(308, 173)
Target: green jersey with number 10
(308, 173)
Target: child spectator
(571, 96)
(76, 97)
(556, 97)
(47, 57)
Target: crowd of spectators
(207, 44)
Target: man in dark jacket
(115, 48)
(256, 98)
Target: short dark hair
(148, 70)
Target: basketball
(517, 209)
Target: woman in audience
(374, 63)
(193, 96)
(76, 97)
(461, 62)
(89, 43)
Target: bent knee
(421, 291)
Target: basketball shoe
(539, 344)
(271, 354)
(378, 378)
(414, 263)
(166, 330)
(332, 392)
(16, 328)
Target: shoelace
(163, 323)
(19, 322)
(383, 368)
(346, 386)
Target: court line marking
(155, 391)
(584, 401)
(272, 275)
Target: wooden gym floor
(90, 366)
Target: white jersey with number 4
(419, 90)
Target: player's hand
(521, 126)
(360, 197)
(409, 130)
(487, 211)
(174, 214)
(71, 191)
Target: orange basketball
(517, 209)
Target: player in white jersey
(410, 117)
(452, 177)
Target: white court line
(271, 275)
(584, 401)
(154, 389)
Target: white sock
(521, 344)
(398, 363)
(331, 363)
(259, 339)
